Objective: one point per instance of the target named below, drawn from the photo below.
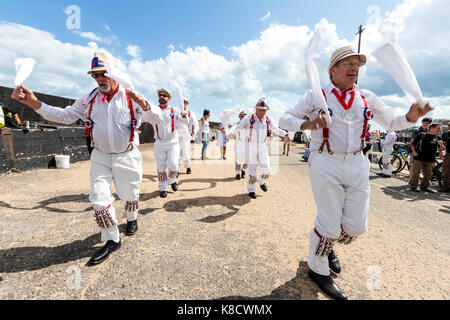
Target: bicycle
(399, 160)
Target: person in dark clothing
(424, 148)
(424, 128)
(446, 164)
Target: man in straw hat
(187, 133)
(340, 174)
(167, 143)
(259, 126)
(112, 116)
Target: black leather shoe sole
(263, 187)
(252, 195)
(327, 285)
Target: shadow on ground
(299, 288)
(232, 203)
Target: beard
(162, 101)
(104, 87)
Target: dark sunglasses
(163, 95)
(96, 75)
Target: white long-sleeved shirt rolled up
(111, 128)
(162, 123)
(347, 126)
(258, 134)
(186, 129)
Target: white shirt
(258, 134)
(240, 134)
(111, 129)
(186, 129)
(205, 127)
(344, 135)
(162, 124)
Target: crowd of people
(338, 170)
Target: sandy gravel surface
(211, 241)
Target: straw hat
(242, 112)
(343, 53)
(262, 104)
(98, 62)
(165, 91)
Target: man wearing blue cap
(112, 116)
(338, 170)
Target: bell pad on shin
(131, 206)
(104, 218)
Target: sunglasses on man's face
(163, 95)
(96, 75)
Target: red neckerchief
(108, 96)
(162, 108)
(341, 98)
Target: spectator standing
(424, 148)
(446, 164)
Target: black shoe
(243, 174)
(174, 186)
(327, 285)
(383, 175)
(102, 254)
(163, 194)
(252, 195)
(333, 262)
(238, 177)
(132, 227)
(427, 190)
(188, 171)
(414, 189)
(263, 187)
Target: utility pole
(360, 31)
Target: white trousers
(185, 149)
(125, 170)
(340, 185)
(386, 159)
(240, 154)
(258, 156)
(167, 163)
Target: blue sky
(222, 53)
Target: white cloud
(267, 16)
(134, 51)
(89, 35)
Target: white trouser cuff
(112, 233)
(316, 263)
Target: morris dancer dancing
(112, 115)
(339, 172)
(187, 132)
(387, 146)
(259, 126)
(241, 147)
(167, 144)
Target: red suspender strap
(133, 120)
(252, 121)
(89, 123)
(268, 125)
(368, 115)
(325, 134)
(172, 115)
